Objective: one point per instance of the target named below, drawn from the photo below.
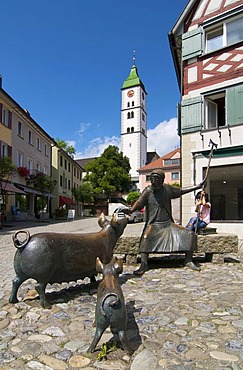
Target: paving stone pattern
(177, 318)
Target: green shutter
(234, 105)
(191, 115)
(192, 44)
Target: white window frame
(30, 164)
(5, 116)
(38, 146)
(20, 129)
(4, 149)
(30, 137)
(224, 37)
(211, 110)
(20, 159)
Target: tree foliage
(69, 149)
(7, 168)
(83, 193)
(109, 173)
(44, 184)
(132, 197)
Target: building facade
(207, 47)
(30, 149)
(134, 123)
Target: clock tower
(134, 122)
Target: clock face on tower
(130, 93)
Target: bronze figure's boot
(144, 265)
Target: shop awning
(10, 188)
(65, 200)
(30, 190)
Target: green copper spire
(133, 79)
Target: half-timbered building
(207, 48)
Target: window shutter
(192, 44)
(10, 120)
(10, 152)
(191, 115)
(234, 105)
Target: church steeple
(134, 122)
(133, 79)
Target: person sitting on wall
(203, 209)
(160, 233)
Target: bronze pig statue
(59, 257)
(110, 308)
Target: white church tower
(134, 122)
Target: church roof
(133, 79)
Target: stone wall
(214, 246)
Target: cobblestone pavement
(177, 318)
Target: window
(20, 159)
(38, 166)
(38, 143)
(65, 164)
(169, 162)
(128, 115)
(175, 176)
(3, 149)
(30, 164)
(215, 111)
(69, 184)
(61, 160)
(46, 150)
(132, 129)
(227, 33)
(143, 117)
(128, 130)
(60, 180)
(45, 170)
(30, 137)
(20, 129)
(128, 104)
(5, 114)
(69, 167)
(132, 103)
(132, 114)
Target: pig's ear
(118, 266)
(114, 220)
(102, 220)
(99, 265)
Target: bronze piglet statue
(110, 307)
(59, 257)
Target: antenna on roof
(134, 57)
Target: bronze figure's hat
(158, 172)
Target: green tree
(69, 149)
(44, 184)
(83, 193)
(7, 168)
(109, 173)
(132, 197)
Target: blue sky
(66, 60)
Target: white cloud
(71, 143)
(83, 127)
(97, 146)
(163, 138)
